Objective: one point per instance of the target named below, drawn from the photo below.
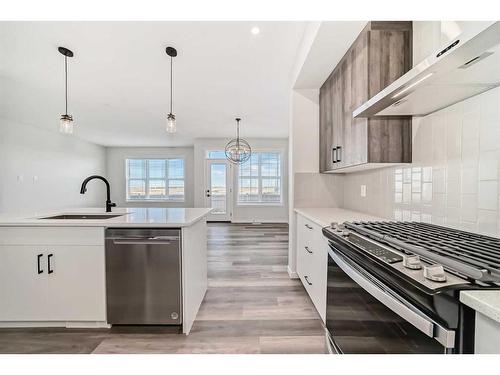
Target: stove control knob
(412, 262)
(435, 272)
(334, 225)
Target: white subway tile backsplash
(469, 208)
(454, 177)
(470, 137)
(439, 180)
(454, 133)
(469, 180)
(488, 195)
(487, 222)
(489, 129)
(453, 184)
(488, 165)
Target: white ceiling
(119, 78)
(325, 49)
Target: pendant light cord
(238, 133)
(66, 83)
(171, 82)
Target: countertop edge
(305, 211)
(480, 300)
(102, 223)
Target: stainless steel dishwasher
(143, 276)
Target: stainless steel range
(393, 287)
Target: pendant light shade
(238, 150)
(171, 125)
(66, 121)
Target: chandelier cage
(238, 150)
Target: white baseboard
(54, 324)
(292, 274)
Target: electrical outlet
(363, 191)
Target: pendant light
(238, 150)
(66, 121)
(171, 126)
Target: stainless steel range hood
(466, 66)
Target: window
(259, 178)
(155, 179)
(216, 154)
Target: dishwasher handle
(156, 240)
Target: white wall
(116, 156)
(59, 164)
(308, 187)
(243, 213)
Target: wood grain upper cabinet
(380, 55)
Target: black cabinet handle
(334, 155)
(48, 263)
(307, 249)
(308, 226)
(39, 268)
(307, 280)
(339, 154)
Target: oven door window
(359, 323)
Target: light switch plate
(363, 191)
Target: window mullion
(260, 176)
(167, 191)
(146, 174)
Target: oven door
(364, 316)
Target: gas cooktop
(431, 255)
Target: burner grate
(474, 255)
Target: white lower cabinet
(23, 291)
(312, 261)
(52, 283)
(77, 286)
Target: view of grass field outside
(259, 178)
(155, 179)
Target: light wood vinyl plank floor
(251, 307)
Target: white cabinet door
(23, 291)
(76, 284)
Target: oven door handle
(423, 324)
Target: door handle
(334, 155)
(39, 268)
(308, 226)
(339, 154)
(49, 270)
(307, 249)
(307, 280)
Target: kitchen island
(53, 271)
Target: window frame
(260, 178)
(146, 179)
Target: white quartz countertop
(326, 216)
(129, 217)
(486, 302)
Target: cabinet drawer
(312, 261)
(52, 236)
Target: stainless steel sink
(81, 217)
